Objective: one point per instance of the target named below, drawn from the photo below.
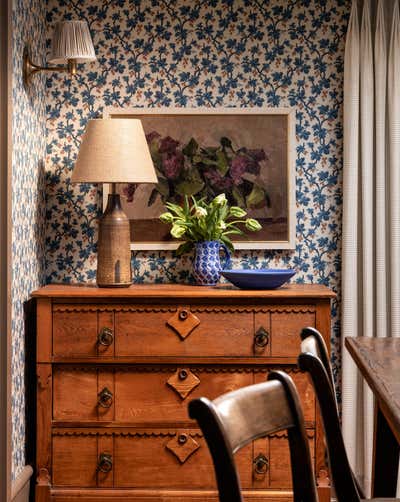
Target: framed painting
(248, 154)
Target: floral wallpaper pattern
(212, 53)
(28, 201)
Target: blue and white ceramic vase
(207, 264)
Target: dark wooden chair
(314, 359)
(237, 418)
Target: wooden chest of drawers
(116, 369)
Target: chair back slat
(253, 412)
(235, 419)
(310, 361)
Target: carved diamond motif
(182, 446)
(183, 322)
(183, 381)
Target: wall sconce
(71, 44)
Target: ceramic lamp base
(114, 254)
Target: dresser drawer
(185, 332)
(167, 459)
(153, 394)
(130, 331)
(138, 395)
(164, 395)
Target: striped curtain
(371, 206)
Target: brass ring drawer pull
(261, 338)
(105, 463)
(105, 337)
(105, 398)
(260, 464)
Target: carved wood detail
(182, 446)
(121, 433)
(43, 477)
(183, 381)
(183, 322)
(289, 309)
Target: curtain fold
(371, 207)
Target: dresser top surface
(181, 291)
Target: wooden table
(378, 360)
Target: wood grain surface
(223, 338)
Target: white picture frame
(287, 144)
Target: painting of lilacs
(203, 154)
(205, 171)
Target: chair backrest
(314, 343)
(314, 360)
(235, 419)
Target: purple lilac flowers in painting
(205, 171)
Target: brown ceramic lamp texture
(114, 255)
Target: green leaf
(256, 197)
(163, 187)
(238, 197)
(228, 243)
(191, 148)
(222, 162)
(185, 247)
(189, 187)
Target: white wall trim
(20, 486)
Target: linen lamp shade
(114, 151)
(71, 40)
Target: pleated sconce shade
(71, 40)
(114, 151)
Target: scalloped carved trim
(156, 433)
(283, 434)
(290, 369)
(131, 433)
(112, 308)
(283, 309)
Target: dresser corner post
(43, 330)
(43, 399)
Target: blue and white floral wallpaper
(191, 53)
(28, 198)
(158, 53)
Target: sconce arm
(30, 68)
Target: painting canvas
(245, 154)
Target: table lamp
(114, 151)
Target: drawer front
(138, 395)
(173, 459)
(164, 396)
(185, 332)
(130, 331)
(157, 459)
(80, 331)
(152, 394)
